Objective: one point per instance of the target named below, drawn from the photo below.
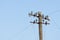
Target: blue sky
(14, 19)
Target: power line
(52, 20)
(17, 34)
(54, 12)
(56, 25)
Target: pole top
(39, 13)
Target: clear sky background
(14, 19)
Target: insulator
(36, 20)
(43, 16)
(43, 20)
(46, 23)
(34, 15)
(47, 18)
(32, 22)
(31, 12)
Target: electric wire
(55, 24)
(54, 27)
(34, 31)
(17, 34)
(55, 11)
(25, 30)
(53, 21)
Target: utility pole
(41, 20)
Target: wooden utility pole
(40, 21)
(40, 28)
